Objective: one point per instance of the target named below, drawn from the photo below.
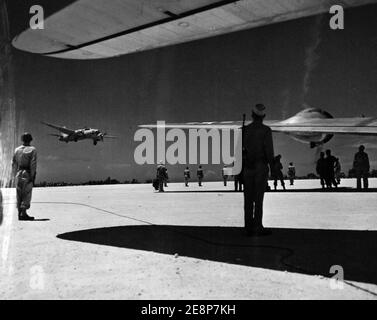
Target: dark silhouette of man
(200, 175)
(321, 169)
(361, 166)
(258, 155)
(277, 173)
(161, 176)
(330, 161)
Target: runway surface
(129, 242)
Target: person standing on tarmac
(200, 175)
(321, 169)
(162, 176)
(258, 155)
(330, 167)
(186, 175)
(277, 173)
(361, 166)
(291, 173)
(24, 166)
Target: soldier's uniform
(361, 166)
(24, 165)
(258, 154)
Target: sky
(286, 66)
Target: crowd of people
(328, 169)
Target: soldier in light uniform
(258, 156)
(24, 166)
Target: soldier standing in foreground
(258, 156)
(24, 165)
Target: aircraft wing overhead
(354, 126)
(61, 129)
(93, 29)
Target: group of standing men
(162, 177)
(328, 168)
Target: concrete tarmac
(129, 242)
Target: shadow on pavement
(306, 251)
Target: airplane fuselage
(82, 134)
(314, 138)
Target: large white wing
(92, 29)
(354, 126)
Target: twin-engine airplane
(68, 135)
(311, 125)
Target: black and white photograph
(206, 151)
